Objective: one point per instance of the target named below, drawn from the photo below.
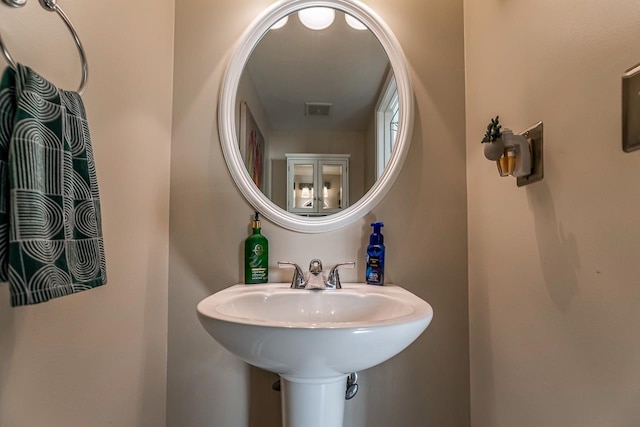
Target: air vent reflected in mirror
(317, 109)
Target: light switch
(631, 109)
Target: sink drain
(352, 386)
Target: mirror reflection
(318, 110)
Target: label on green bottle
(257, 264)
(256, 268)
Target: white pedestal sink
(314, 339)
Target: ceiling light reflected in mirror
(281, 23)
(354, 23)
(317, 18)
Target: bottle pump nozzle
(376, 238)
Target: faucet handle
(298, 281)
(333, 281)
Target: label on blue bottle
(374, 270)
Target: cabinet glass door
(304, 194)
(331, 178)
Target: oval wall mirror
(315, 117)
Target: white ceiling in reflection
(341, 66)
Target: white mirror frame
(229, 133)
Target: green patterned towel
(50, 227)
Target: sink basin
(310, 333)
(313, 339)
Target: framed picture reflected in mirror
(252, 146)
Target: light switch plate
(535, 136)
(631, 109)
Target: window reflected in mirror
(387, 115)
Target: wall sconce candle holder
(517, 155)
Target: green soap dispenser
(256, 255)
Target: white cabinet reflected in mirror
(343, 89)
(318, 183)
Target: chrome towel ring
(52, 6)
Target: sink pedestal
(313, 402)
(314, 339)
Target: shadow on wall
(264, 402)
(558, 251)
(7, 338)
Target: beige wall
(98, 358)
(553, 267)
(425, 233)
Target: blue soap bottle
(375, 256)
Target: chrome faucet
(314, 278)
